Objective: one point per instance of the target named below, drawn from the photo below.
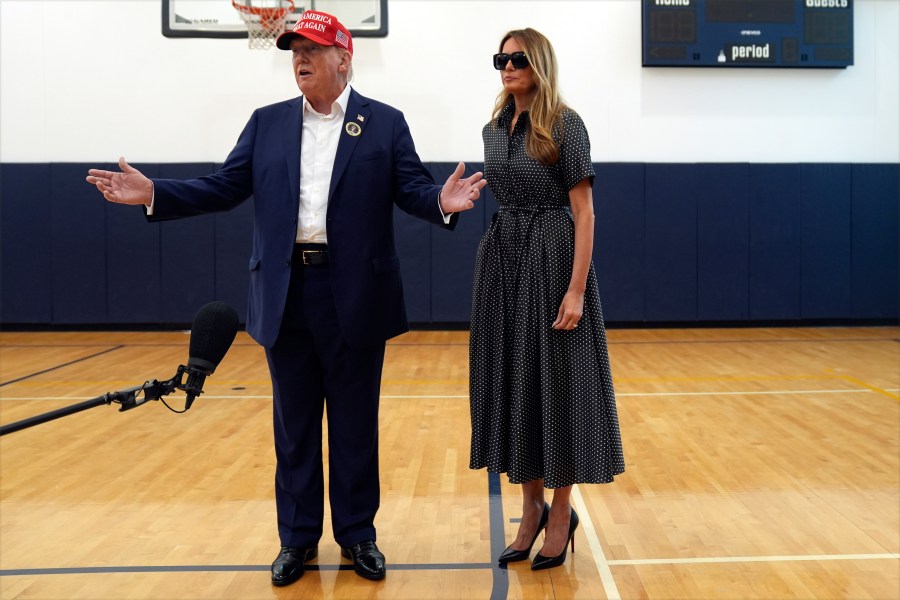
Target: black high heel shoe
(511, 555)
(547, 562)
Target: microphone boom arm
(128, 398)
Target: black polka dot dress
(542, 400)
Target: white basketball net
(265, 20)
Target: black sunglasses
(519, 60)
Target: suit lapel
(293, 131)
(354, 128)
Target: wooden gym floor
(761, 463)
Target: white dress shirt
(318, 147)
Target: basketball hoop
(265, 20)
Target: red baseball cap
(321, 28)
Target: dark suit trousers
(312, 366)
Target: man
(325, 294)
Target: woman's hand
(570, 310)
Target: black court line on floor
(500, 577)
(72, 362)
(232, 569)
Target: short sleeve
(574, 150)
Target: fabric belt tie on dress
(536, 209)
(310, 255)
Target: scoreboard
(747, 33)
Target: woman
(542, 400)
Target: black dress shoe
(368, 561)
(541, 562)
(512, 555)
(288, 566)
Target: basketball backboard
(219, 19)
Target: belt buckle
(306, 260)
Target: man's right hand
(128, 187)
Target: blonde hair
(545, 112)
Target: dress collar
(507, 112)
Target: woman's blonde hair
(547, 106)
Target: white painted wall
(88, 80)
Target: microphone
(212, 333)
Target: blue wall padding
(774, 281)
(619, 239)
(723, 242)
(26, 294)
(825, 250)
(133, 284)
(670, 241)
(875, 225)
(187, 255)
(674, 243)
(453, 255)
(77, 239)
(413, 242)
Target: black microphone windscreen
(212, 333)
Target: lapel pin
(353, 128)
(360, 117)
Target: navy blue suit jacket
(372, 171)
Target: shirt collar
(338, 107)
(507, 112)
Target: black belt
(310, 255)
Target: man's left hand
(458, 194)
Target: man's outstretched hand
(128, 187)
(458, 194)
